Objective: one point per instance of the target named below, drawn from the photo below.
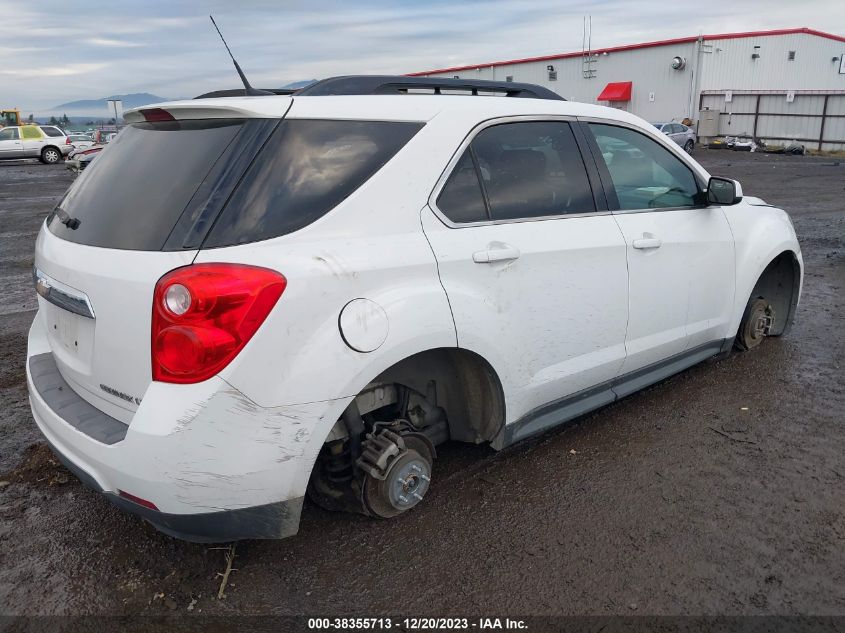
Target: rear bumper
(215, 465)
(269, 521)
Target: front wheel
(755, 324)
(50, 156)
(688, 146)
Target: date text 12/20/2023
(417, 624)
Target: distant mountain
(95, 105)
(300, 84)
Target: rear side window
(306, 168)
(31, 132)
(52, 131)
(526, 170)
(461, 199)
(136, 189)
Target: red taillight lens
(67, 140)
(204, 314)
(157, 114)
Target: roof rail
(400, 84)
(240, 92)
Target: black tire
(752, 328)
(51, 155)
(688, 146)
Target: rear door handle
(503, 253)
(647, 242)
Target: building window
(509, 78)
(791, 56)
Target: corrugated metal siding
(649, 69)
(730, 67)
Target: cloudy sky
(54, 52)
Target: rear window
(136, 189)
(161, 186)
(305, 170)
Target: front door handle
(647, 241)
(496, 253)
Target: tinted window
(52, 131)
(645, 174)
(532, 169)
(9, 134)
(305, 170)
(135, 191)
(461, 199)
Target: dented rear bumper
(215, 466)
(269, 521)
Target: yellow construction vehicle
(10, 116)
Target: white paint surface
(363, 325)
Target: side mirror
(723, 191)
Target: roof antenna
(248, 90)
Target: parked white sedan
(80, 141)
(251, 299)
(681, 134)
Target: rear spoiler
(230, 108)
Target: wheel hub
(409, 483)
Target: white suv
(252, 299)
(45, 142)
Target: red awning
(616, 91)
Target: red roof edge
(630, 47)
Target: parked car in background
(46, 142)
(81, 157)
(681, 134)
(80, 141)
(215, 338)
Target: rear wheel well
(378, 457)
(462, 383)
(779, 284)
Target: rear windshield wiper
(64, 218)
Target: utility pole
(114, 102)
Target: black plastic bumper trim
(69, 405)
(270, 521)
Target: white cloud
(105, 41)
(54, 71)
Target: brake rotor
(405, 484)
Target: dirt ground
(718, 491)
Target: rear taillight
(204, 314)
(67, 140)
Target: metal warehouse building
(777, 86)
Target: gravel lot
(721, 490)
